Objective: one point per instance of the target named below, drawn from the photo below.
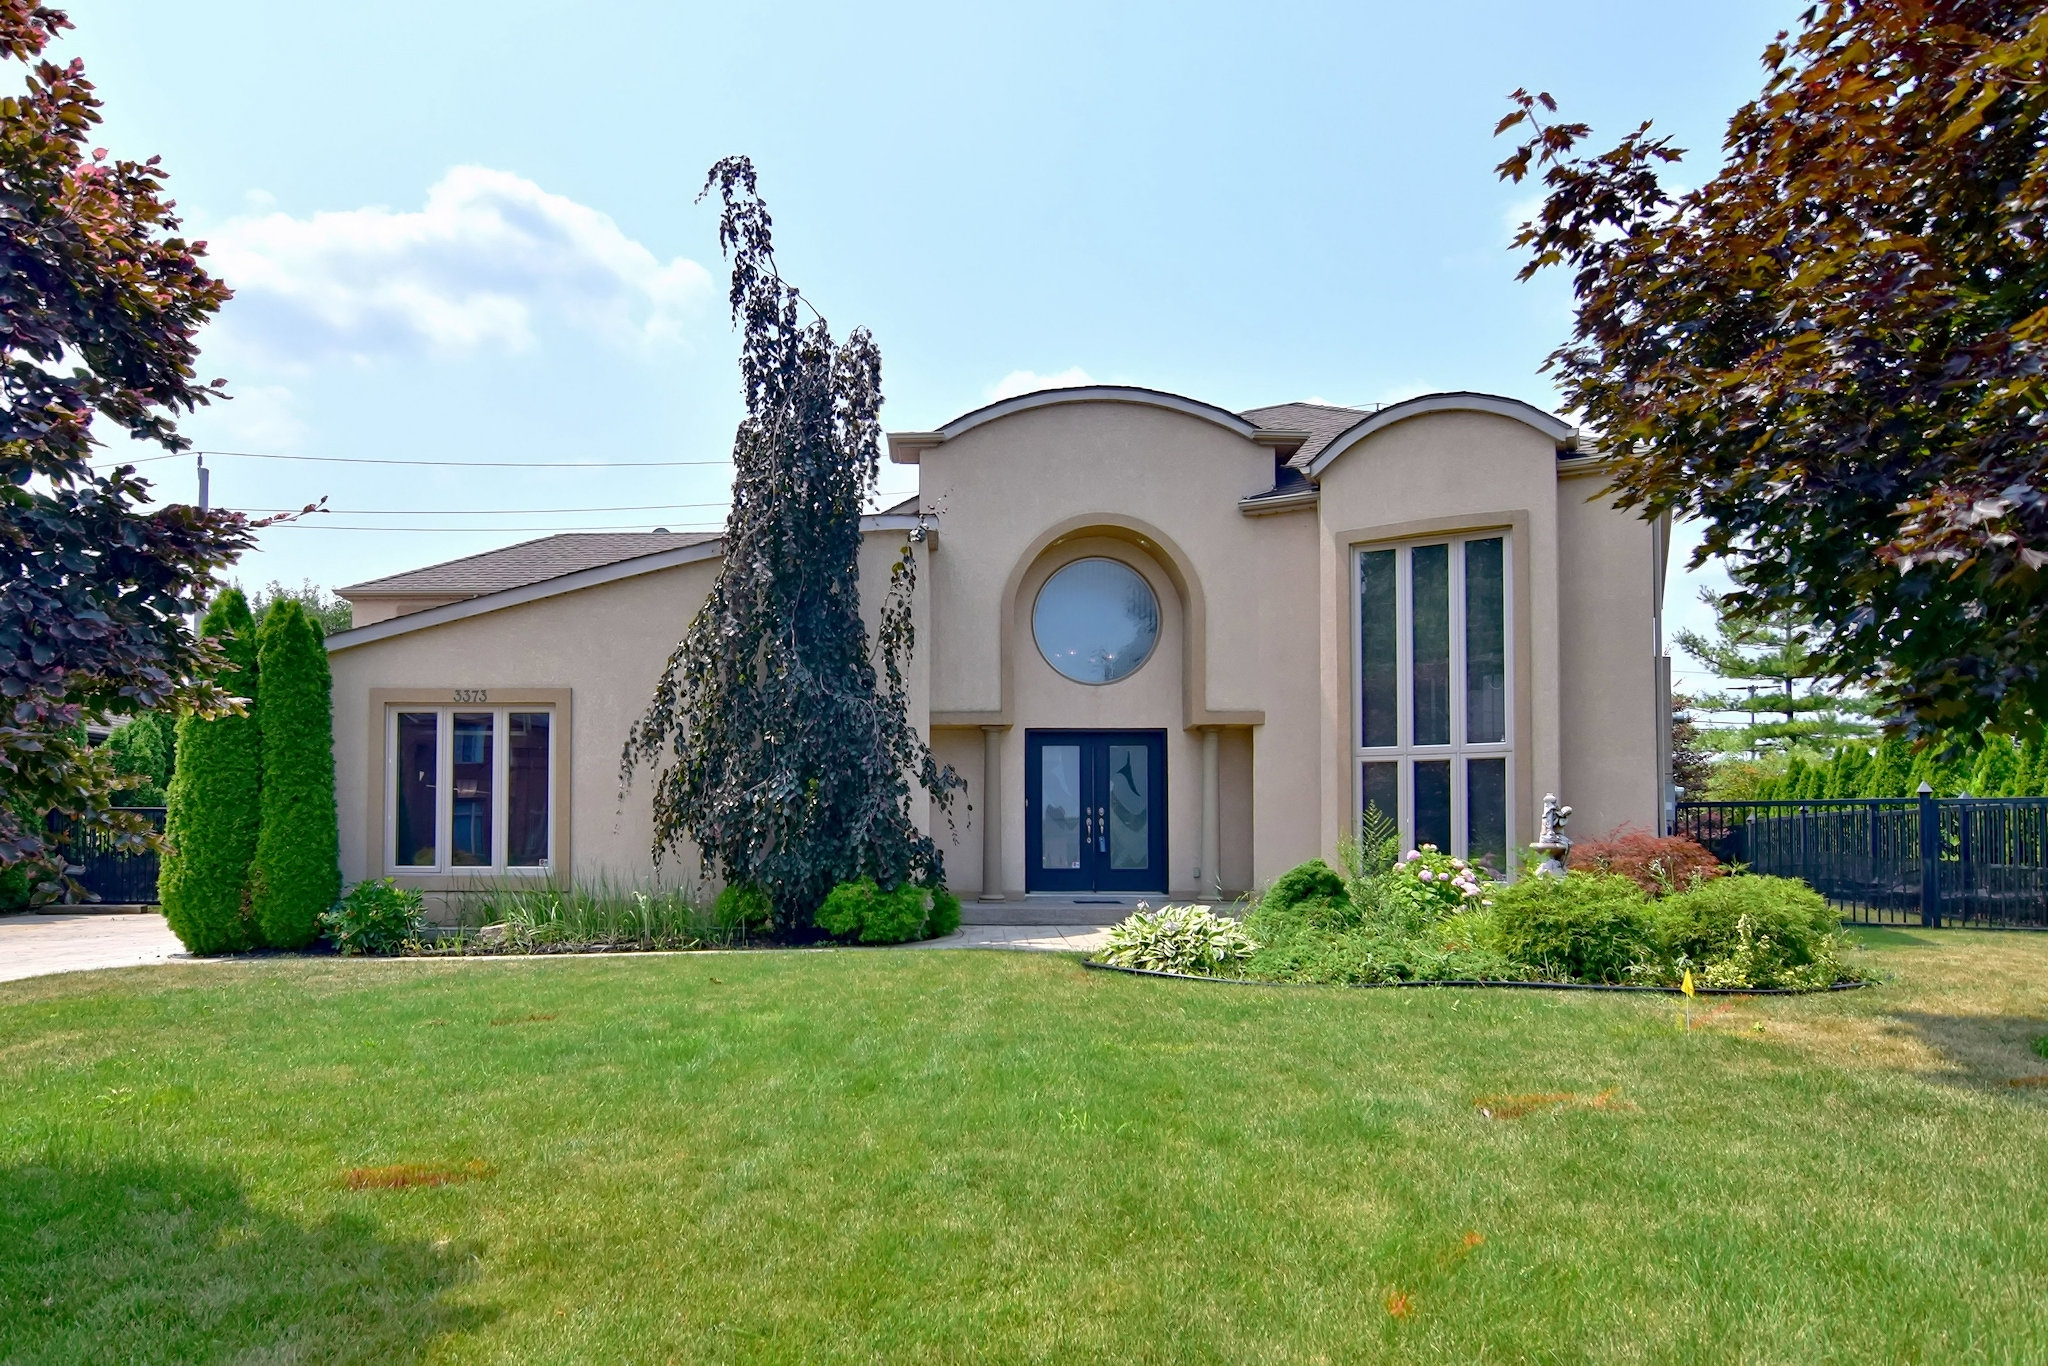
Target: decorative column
(992, 813)
(1210, 875)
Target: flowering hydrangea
(1437, 880)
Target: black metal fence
(114, 877)
(1885, 861)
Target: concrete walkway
(37, 945)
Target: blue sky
(465, 231)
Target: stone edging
(1477, 982)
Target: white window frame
(1405, 752)
(444, 789)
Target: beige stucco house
(1171, 648)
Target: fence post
(1930, 858)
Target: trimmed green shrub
(375, 917)
(1311, 881)
(863, 911)
(742, 906)
(1189, 939)
(214, 802)
(297, 870)
(1768, 931)
(945, 914)
(1586, 927)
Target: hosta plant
(1187, 939)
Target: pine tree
(780, 749)
(1781, 691)
(215, 801)
(297, 873)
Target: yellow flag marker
(1686, 987)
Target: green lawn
(913, 1155)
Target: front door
(1095, 810)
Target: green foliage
(945, 916)
(2041, 1046)
(297, 870)
(742, 906)
(1997, 769)
(215, 802)
(328, 613)
(1885, 187)
(1582, 927)
(1753, 931)
(525, 915)
(781, 750)
(375, 917)
(1891, 770)
(1188, 939)
(145, 749)
(1311, 881)
(862, 911)
(1743, 780)
(102, 312)
(1426, 885)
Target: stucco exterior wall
(1019, 497)
(1611, 688)
(1256, 640)
(1441, 474)
(606, 645)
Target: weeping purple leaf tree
(779, 735)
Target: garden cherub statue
(1551, 840)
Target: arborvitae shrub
(1704, 923)
(297, 873)
(145, 748)
(214, 804)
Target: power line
(491, 512)
(472, 464)
(641, 529)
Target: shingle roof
(1323, 422)
(515, 566)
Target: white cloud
(487, 257)
(1030, 381)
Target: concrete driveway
(34, 945)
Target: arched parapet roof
(1559, 432)
(906, 447)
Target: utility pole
(205, 501)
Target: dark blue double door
(1095, 810)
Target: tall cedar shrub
(215, 801)
(778, 749)
(297, 874)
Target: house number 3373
(472, 695)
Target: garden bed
(1096, 966)
(1664, 919)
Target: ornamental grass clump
(1184, 939)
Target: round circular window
(1096, 620)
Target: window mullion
(444, 790)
